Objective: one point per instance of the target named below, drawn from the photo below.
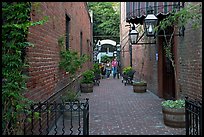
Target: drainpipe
(130, 49)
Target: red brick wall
(45, 76)
(145, 64)
(190, 62)
(148, 71)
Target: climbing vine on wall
(15, 24)
(70, 61)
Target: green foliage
(189, 14)
(180, 103)
(70, 96)
(71, 62)
(61, 41)
(15, 24)
(87, 77)
(106, 18)
(96, 68)
(105, 58)
(127, 69)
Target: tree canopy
(105, 19)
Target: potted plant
(87, 81)
(126, 70)
(97, 73)
(70, 97)
(139, 86)
(127, 75)
(174, 113)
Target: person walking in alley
(108, 69)
(114, 67)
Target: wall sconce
(133, 35)
(150, 23)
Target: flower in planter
(180, 103)
(174, 113)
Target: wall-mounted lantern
(133, 35)
(150, 22)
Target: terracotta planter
(174, 117)
(139, 87)
(86, 88)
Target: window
(67, 31)
(81, 44)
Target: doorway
(166, 73)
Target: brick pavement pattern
(116, 110)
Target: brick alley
(116, 110)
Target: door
(166, 81)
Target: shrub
(96, 68)
(87, 77)
(105, 58)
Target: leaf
(29, 120)
(36, 115)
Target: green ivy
(15, 24)
(71, 62)
(190, 13)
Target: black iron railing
(193, 117)
(69, 118)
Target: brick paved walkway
(116, 110)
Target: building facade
(147, 56)
(68, 20)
